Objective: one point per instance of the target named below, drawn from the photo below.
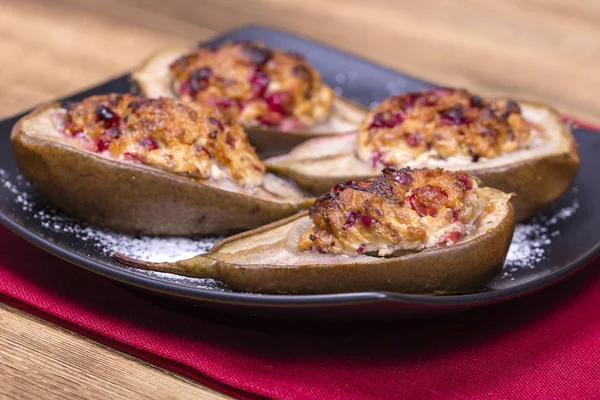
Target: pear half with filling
(147, 166)
(276, 95)
(414, 231)
(520, 147)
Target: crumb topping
(402, 209)
(441, 123)
(254, 84)
(186, 139)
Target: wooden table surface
(547, 50)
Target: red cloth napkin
(543, 346)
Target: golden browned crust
(400, 210)
(186, 139)
(442, 121)
(258, 85)
(132, 197)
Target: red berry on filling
(413, 139)
(259, 82)
(402, 176)
(279, 101)
(360, 250)
(387, 119)
(215, 122)
(351, 220)
(106, 115)
(453, 116)
(102, 145)
(148, 143)
(366, 221)
(465, 181)
(230, 141)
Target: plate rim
(123, 275)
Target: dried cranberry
(426, 199)
(348, 185)
(102, 145)
(366, 221)
(387, 119)
(402, 176)
(186, 88)
(453, 116)
(255, 53)
(259, 81)
(215, 122)
(213, 134)
(279, 101)
(148, 143)
(202, 149)
(476, 101)
(360, 250)
(199, 79)
(230, 141)
(409, 100)
(413, 139)
(106, 115)
(465, 181)
(351, 220)
(221, 102)
(454, 215)
(378, 158)
(512, 107)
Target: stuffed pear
(276, 95)
(151, 166)
(413, 231)
(519, 147)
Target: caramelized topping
(441, 123)
(399, 210)
(254, 84)
(186, 139)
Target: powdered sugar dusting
(530, 240)
(530, 245)
(141, 247)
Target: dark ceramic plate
(546, 249)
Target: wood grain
(39, 360)
(546, 50)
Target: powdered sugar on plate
(141, 247)
(529, 247)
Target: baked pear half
(517, 147)
(150, 166)
(413, 231)
(275, 94)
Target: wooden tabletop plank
(546, 50)
(40, 360)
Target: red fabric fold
(543, 346)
